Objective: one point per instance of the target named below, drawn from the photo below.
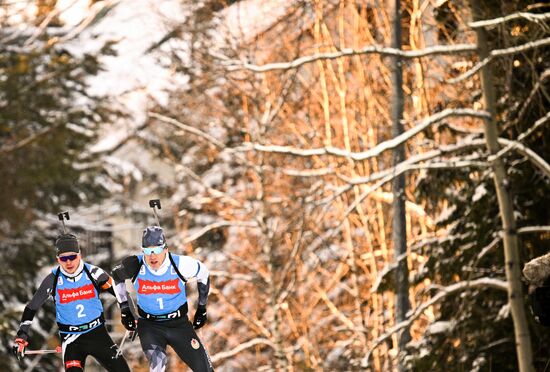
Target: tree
(399, 229)
(283, 179)
(47, 121)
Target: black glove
(20, 343)
(126, 317)
(200, 317)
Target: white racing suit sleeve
(192, 268)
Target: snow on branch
(532, 229)
(499, 53)
(214, 192)
(537, 18)
(375, 151)
(537, 160)
(187, 128)
(526, 104)
(348, 52)
(241, 347)
(445, 291)
(114, 142)
(537, 124)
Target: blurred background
(355, 174)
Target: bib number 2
(80, 309)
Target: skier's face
(69, 261)
(154, 260)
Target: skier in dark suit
(75, 286)
(159, 278)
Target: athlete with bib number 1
(74, 286)
(159, 278)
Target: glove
(126, 317)
(200, 317)
(18, 349)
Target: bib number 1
(161, 304)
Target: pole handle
(155, 203)
(62, 217)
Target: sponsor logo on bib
(150, 287)
(74, 294)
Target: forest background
(365, 180)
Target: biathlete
(159, 278)
(75, 286)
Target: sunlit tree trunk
(399, 229)
(502, 186)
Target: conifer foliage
(47, 121)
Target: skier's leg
(153, 343)
(186, 344)
(73, 353)
(102, 347)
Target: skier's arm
(103, 279)
(127, 269)
(38, 299)
(192, 268)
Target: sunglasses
(155, 250)
(71, 257)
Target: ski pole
(155, 203)
(62, 216)
(128, 333)
(56, 350)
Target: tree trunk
(399, 230)
(502, 185)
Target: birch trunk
(502, 185)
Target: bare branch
(532, 229)
(113, 146)
(499, 53)
(537, 18)
(26, 141)
(51, 15)
(375, 151)
(533, 157)
(251, 322)
(525, 105)
(348, 52)
(445, 291)
(241, 347)
(232, 276)
(187, 128)
(214, 192)
(217, 225)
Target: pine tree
(472, 248)
(47, 121)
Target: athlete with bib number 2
(159, 279)
(75, 286)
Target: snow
(246, 19)
(124, 168)
(445, 214)
(440, 327)
(480, 192)
(135, 78)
